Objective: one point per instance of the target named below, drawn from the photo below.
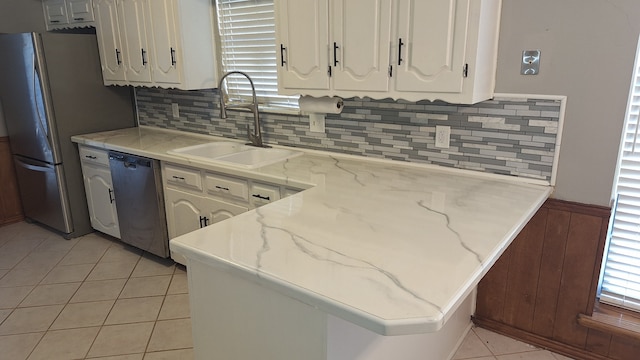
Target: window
(620, 276)
(247, 44)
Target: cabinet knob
(335, 53)
(111, 198)
(400, 43)
(118, 57)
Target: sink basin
(210, 151)
(258, 157)
(236, 154)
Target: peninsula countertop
(389, 246)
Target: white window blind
(620, 277)
(247, 44)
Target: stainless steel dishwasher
(137, 188)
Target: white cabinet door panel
(100, 199)
(183, 212)
(433, 35)
(80, 11)
(109, 44)
(303, 36)
(361, 37)
(164, 42)
(217, 210)
(136, 50)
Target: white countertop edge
(355, 316)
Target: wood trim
(578, 208)
(613, 321)
(533, 339)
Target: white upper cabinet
(162, 43)
(164, 40)
(403, 49)
(360, 44)
(302, 39)
(62, 14)
(109, 44)
(432, 38)
(131, 18)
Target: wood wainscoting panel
(555, 242)
(10, 204)
(577, 271)
(546, 278)
(524, 272)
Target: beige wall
(588, 48)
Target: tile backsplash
(510, 135)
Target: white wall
(588, 49)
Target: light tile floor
(89, 298)
(96, 298)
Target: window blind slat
(247, 42)
(620, 277)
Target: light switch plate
(530, 62)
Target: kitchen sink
(210, 150)
(235, 154)
(258, 157)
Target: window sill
(612, 320)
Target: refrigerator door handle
(48, 123)
(30, 166)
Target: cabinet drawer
(183, 177)
(262, 194)
(94, 156)
(227, 186)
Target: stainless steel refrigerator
(51, 88)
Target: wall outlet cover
(316, 123)
(175, 110)
(443, 136)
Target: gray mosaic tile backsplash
(511, 136)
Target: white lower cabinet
(99, 190)
(188, 212)
(195, 198)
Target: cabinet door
(100, 199)
(431, 36)
(218, 210)
(184, 212)
(302, 39)
(161, 33)
(131, 17)
(360, 44)
(109, 41)
(55, 12)
(80, 11)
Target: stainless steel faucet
(255, 139)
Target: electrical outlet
(316, 123)
(175, 110)
(443, 136)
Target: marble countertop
(392, 247)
